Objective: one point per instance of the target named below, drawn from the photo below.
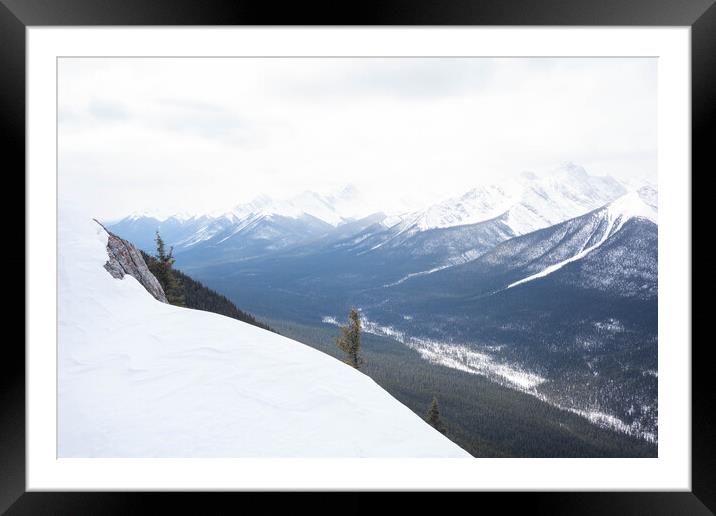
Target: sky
(201, 135)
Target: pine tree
(433, 416)
(349, 340)
(162, 270)
(161, 254)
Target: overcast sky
(198, 135)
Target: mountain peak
(635, 204)
(143, 214)
(573, 169)
(349, 191)
(527, 203)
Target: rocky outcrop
(124, 258)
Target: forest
(182, 290)
(484, 418)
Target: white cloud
(201, 134)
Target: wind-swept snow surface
(139, 378)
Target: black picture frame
(16, 15)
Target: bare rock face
(124, 258)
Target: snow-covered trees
(349, 340)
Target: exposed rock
(124, 258)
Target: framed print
(423, 252)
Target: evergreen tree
(161, 267)
(349, 340)
(162, 256)
(433, 416)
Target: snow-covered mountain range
(539, 267)
(513, 207)
(334, 209)
(141, 378)
(574, 244)
(526, 204)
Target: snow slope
(139, 378)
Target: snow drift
(139, 378)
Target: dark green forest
(192, 294)
(484, 418)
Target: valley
(484, 417)
(537, 296)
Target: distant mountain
(259, 227)
(513, 207)
(140, 229)
(334, 209)
(525, 204)
(574, 304)
(523, 259)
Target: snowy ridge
(139, 378)
(477, 205)
(149, 214)
(581, 254)
(415, 274)
(206, 232)
(344, 205)
(334, 209)
(632, 205)
(452, 262)
(637, 204)
(526, 204)
(562, 195)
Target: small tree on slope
(349, 340)
(433, 416)
(162, 270)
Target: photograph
(401, 248)
(357, 257)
